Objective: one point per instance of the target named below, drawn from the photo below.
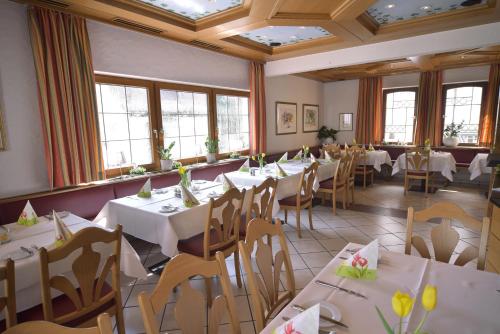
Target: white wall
(22, 166)
(297, 90)
(121, 51)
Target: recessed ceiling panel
(194, 9)
(285, 35)
(388, 11)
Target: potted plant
(212, 146)
(326, 135)
(451, 133)
(166, 156)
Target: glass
(168, 101)
(116, 126)
(232, 123)
(139, 126)
(113, 99)
(399, 116)
(141, 151)
(116, 150)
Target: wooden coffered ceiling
(463, 58)
(343, 23)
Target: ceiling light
(462, 57)
(391, 5)
(271, 27)
(425, 7)
(302, 27)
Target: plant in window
(451, 132)
(139, 170)
(166, 156)
(326, 135)
(212, 146)
(176, 164)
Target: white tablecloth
(468, 300)
(42, 235)
(141, 218)
(442, 162)
(478, 166)
(377, 159)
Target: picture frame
(345, 122)
(310, 118)
(286, 118)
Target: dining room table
(468, 300)
(42, 234)
(479, 166)
(376, 158)
(441, 162)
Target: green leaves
(387, 328)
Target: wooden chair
(190, 307)
(363, 169)
(304, 196)
(356, 154)
(8, 301)
(221, 232)
(444, 237)
(337, 183)
(104, 326)
(417, 164)
(264, 208)
(333, 150)
(265, 297)
(94, 295)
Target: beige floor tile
(316, 260)
(308, 246)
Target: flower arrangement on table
(260, 159)
(305, 151)
(402, 304)
(183, 173)
(427, 144)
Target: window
(124, 124)
(463, 104)
(232, 123)
(185, 121)
(399, 108)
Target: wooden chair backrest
(227, 226)
(264, 285)
(8, 301)
(417, 159)
(306, 182)
(104, 326)
(444, 237)
(267, 192)
(328, 147)
(345, 166)
(190, 307)
(87, 296)
(334, 152)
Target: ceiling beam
(425, 63)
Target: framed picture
(345, 123)
(286, 118)
(310, 118)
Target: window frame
(155, 116)
(483, 84)
(387, 91)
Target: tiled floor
(316, 248)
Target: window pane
(399, 116)
(232, 123)
(124, 125)
(463, 104)
(168, 101)
(185, 103)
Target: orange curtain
(67, 97)
(257, 108)
(429, 108)
(369, 122)
(488, 120)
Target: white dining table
(27, 270)
(442, 162)
(478, 166)
(468, 299)
(377, 159)
(141, 217)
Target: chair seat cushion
(194, 245)
(292, 200)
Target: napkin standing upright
(346, 147)
(298, 156)
(306, 322)
(284, 158)
(227, 183)
(313, 158)
(188, 198)
(279, 171)
(328, 157)
(62, 233)
(370, 147)
(145, 191)
(362, 264)
(245, 167)
(28, 216)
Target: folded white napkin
(306, 322)
(245, 167)
(313, 158)
(280, 171)
(328, 157)
(346, 146)
(370, 147)
(28, 216)
(188, 198)
(362, 264)
(227, 183)
(62, 233)
(145, 191)
(298, 156)
(284, 157)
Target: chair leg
(364, 180)
(426, 186)
(311, 216)
(352, 194)
(208, 290)
(372, 177)
(344, 197)
(120, 322)
(323, 198)
(286, 216)
(237, 267)
(299, 234)
(334, 202)
(405, 185)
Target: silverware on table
(333, 286)
(27, 250)
(321, 331)
(333, 321)
(35, 247)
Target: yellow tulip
(182, 170)
(402, 304)
(263, 155)
(429, 298)
(253, 157)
